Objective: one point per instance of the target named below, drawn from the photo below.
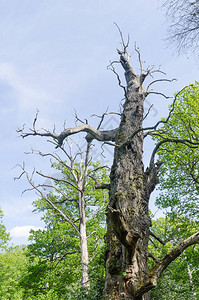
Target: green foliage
(12, 266)
(179, 174)
(4, 236)
(174, 283)
(179, 186)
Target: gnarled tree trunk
(128, 220)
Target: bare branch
(35, 120)
(157, 93)
(108, 135)
(168, 117)
(96, 211)
(156, 71)
(160, 240)
(147, 112)
(86, 164)
(103, 116)
(65, 198)
(91, 234)
(125, 46)
(118, 79)
(152, 127)
(58, 180)
(183, 17)
(100, 185)
(160, 80)
(157, 237)
(140, 61)
(66, 218)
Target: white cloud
(28, 96)
(23, 231)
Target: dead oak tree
(128, 221)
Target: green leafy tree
(4, 236)
(179, 175)
(181, 278)
(179, 186)
(12, 268)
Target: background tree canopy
(179, 176)
(184, 18)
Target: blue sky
(53, 57)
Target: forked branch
(92, 133)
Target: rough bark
(128, 220)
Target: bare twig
(159, 80)
(66, 218)
(157, 93)
(125, 46)
(58, 180)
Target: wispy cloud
(23, 231)
(27, 96)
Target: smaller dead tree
(75, 170)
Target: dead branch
(96, 211)
(86, 164)
(107, 135)
(91, 234)
(160, 240)
(58, 180)
(118, 79)
(65, 198)
(65, 217)
(97, 169)
(157, 93)
(140, 61)
(126, 65)
(152, 128)
(159, 80)
(148, 112)
(153, 243)
(125, 46)
(151, 71)
(103, 116)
